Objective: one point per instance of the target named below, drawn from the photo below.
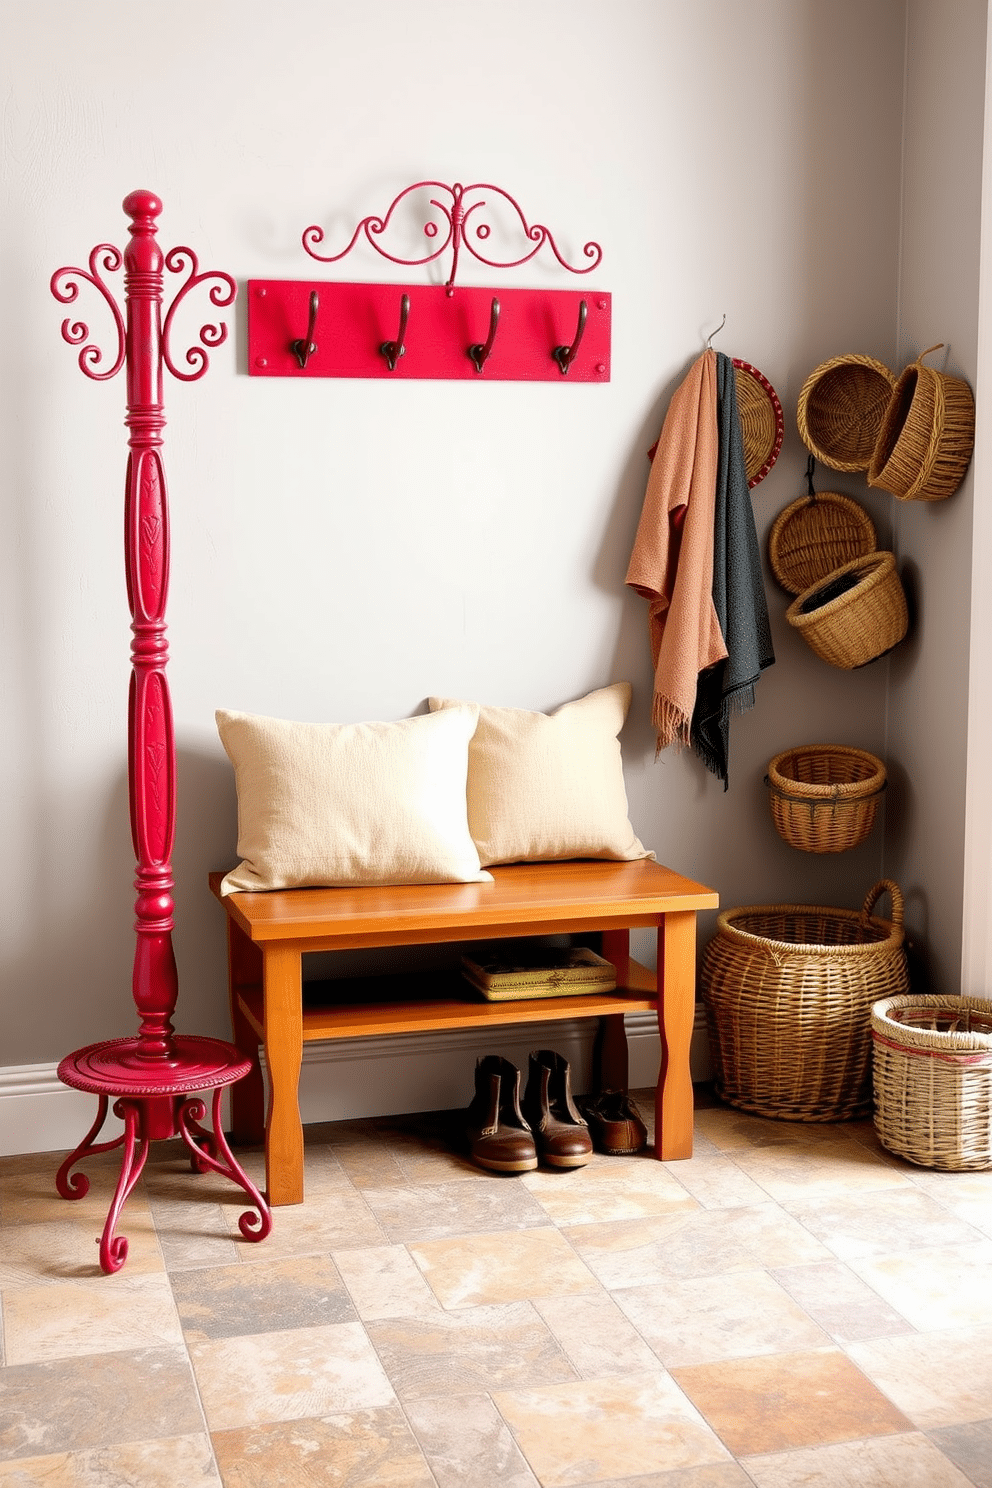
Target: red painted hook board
(355, 331)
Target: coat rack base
(157, 1100)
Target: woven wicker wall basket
(762, 421)
(926, 439)
(788, 991)
(856, 614)
(933, 1079)
(841, 407)
(816, 535)
(823, 797)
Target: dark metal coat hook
(480, 353)
(393, 350)
(303, 350)
(565, 355)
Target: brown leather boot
(498, 1136)
(562, 1136)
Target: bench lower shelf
(269, 935)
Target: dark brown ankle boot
(498, 1136)
(562, 1136)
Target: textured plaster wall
(342, 550)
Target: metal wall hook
(480, 353)
(709, 338)
(393, 350)
(565, 355)
(303, 350)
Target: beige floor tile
(883, 1462)
(609, 1188)
(270, 1297)
(936, 1379)
(466, 1441)
(843, 1305)
(474, 1349)
(966, 1195)
(694, 1243)
(700, 1320)
(935, 1287)
(196, 1232)
(479, 1205)
(785, 1401)
(97, 1400)
(384, 1281)
(789, 1176)
(349, 1449)
(896, 1219)
(265, 1377)
(718, 1183)
(325, 1222)
(595, 1336)
(713, 1475)
(28, 1194)
(736, 1131)
(473, 1270)
(66, 1247)
(593, 1430)
(183, 1460)
(67, 1319)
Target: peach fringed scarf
(672, 561)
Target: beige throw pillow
(544, 786)
(345, 804)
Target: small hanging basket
(841, 408)
(788, 991)
(854, 615)
(926, 438)
(762, 422)
(933, 1079)
(814, 536)
(823, 796)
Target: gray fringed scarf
(738, 592)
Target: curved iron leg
(113, 1251)
(78, 1186)
(252, 1226)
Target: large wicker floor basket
(788, 991)
(933, 1079)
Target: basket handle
(884, 885)
(929, 349)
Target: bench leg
(610, 1056)
(282, 984)
(244, 969)
(676, 1012)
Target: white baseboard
(351, 1078)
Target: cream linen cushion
(357, 803)
(548, 786)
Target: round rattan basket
(816, 535)
(823, 796)
(762, 421)
(788, 991)
(855, 614)
(841, 408)
(925, 442)
(933, 1079)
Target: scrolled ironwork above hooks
(540, 331)
(456, 215)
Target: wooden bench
(269, 933)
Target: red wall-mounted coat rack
(305, 328)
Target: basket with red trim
(932, 1072)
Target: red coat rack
(157, 1080)
(310, 328)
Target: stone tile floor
(791, 1307)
